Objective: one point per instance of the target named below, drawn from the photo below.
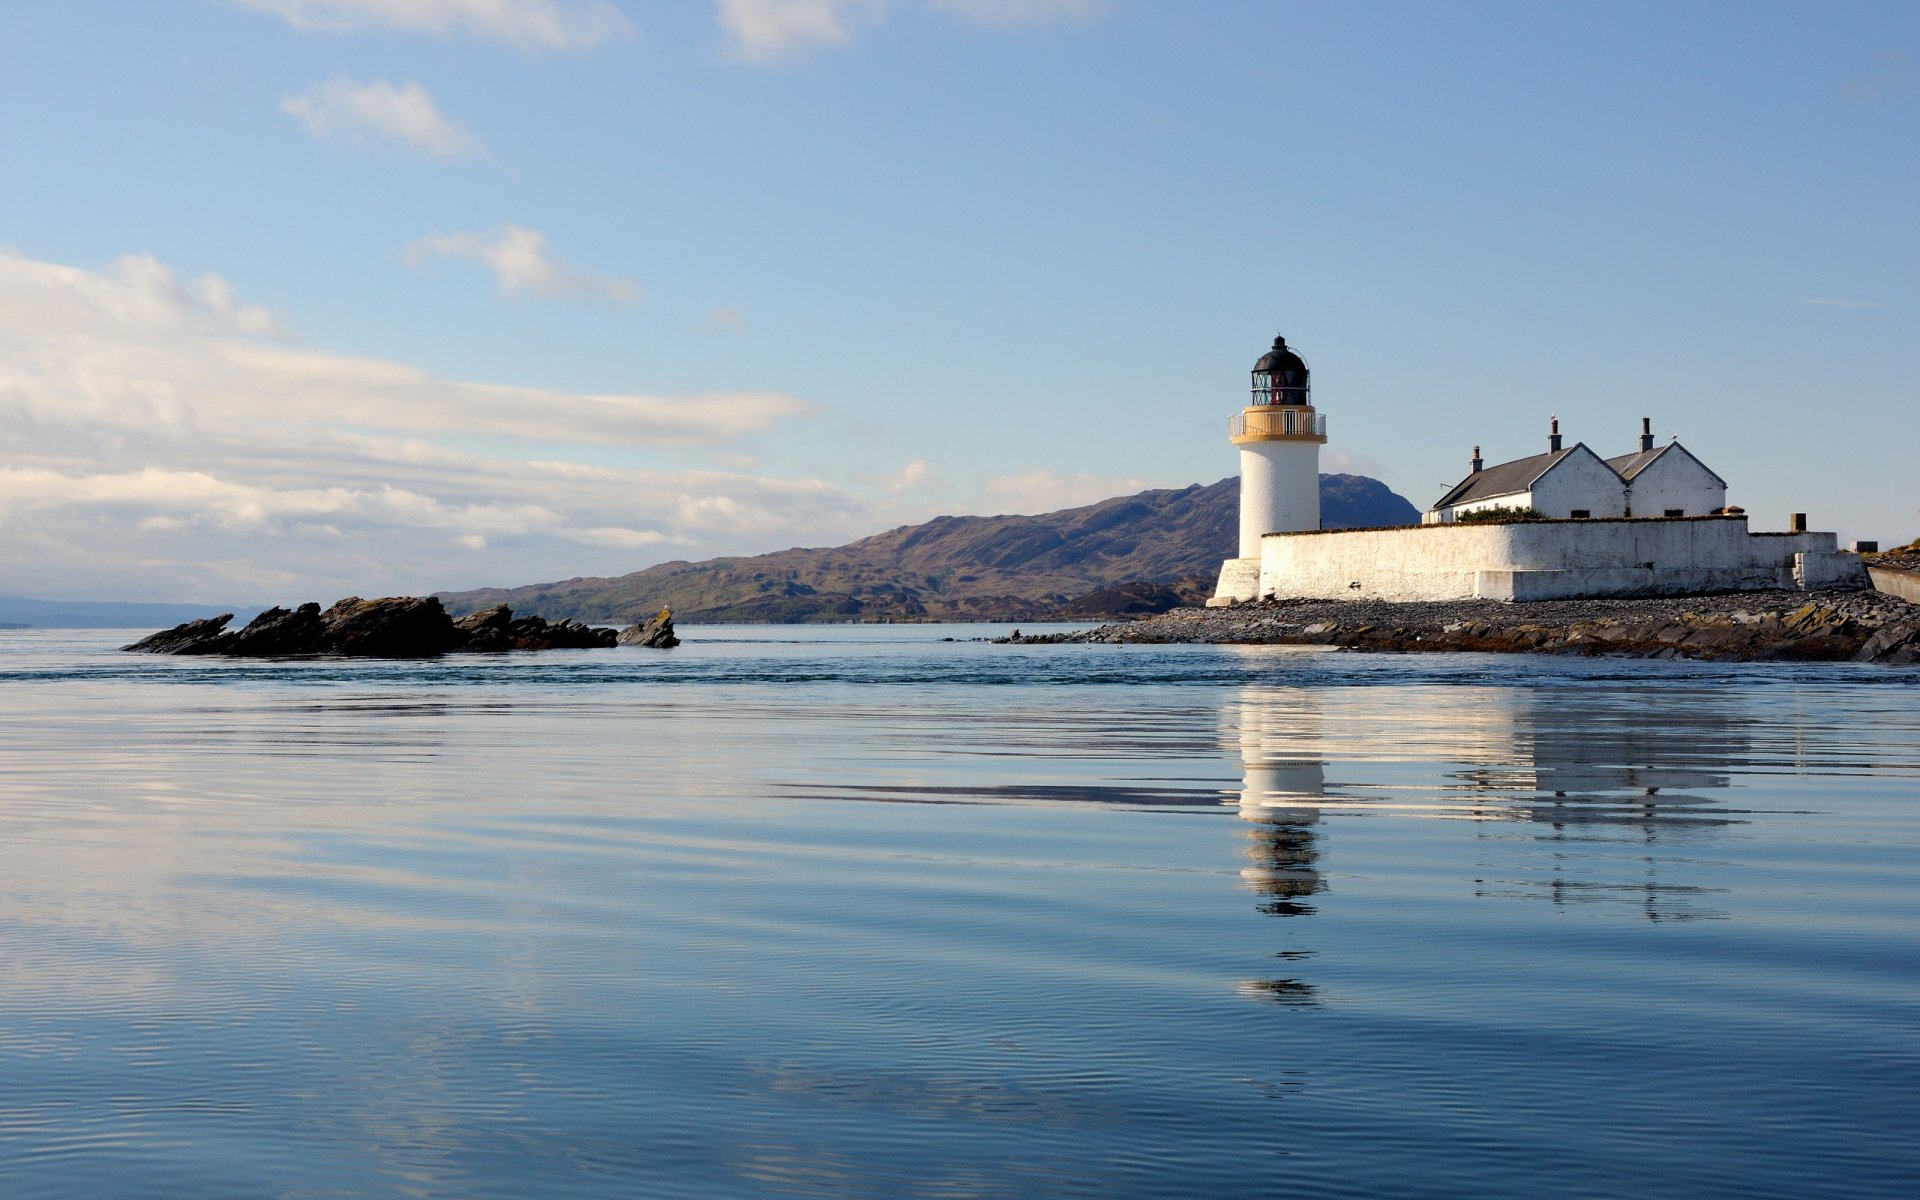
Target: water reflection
(1613, 782)
(1589, 796)
(1282, 787)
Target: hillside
(1007, 568)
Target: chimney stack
(1477, 464)
(1646, 434)
(1553, 439)
(1797, 522)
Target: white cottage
(1574, 483)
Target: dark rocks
(1749, 626)
(1897, 644)
(656, 631)
(390, 627)
(192, 637)
(494, 629)
(1138, 599)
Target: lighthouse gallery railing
(1283, 422)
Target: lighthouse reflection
(1582, 797)
(1282, 786)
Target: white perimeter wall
(1279, 491)
(1550, 560)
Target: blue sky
(308, 297)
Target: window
(1581, 514)
(1676, 512)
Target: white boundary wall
(1551, 560)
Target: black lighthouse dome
(1281, 377)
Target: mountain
(22, 612)
(1008, 568)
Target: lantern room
(1280, 377)
(1282, 405)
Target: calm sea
(864, 913)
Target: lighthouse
(1279, 435)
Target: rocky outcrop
(1749, 626)
(188, 637)
(390, 627)
(496, 629)
(656, 631)
(1133, 600)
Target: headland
(1818, 626)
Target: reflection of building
(1599, 756)
(1608, 770)
(1588, 768)
(1281, 788)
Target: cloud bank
(162, 439)
(155, 443)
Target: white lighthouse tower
(1279, 435)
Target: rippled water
(858, 912)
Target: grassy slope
(951, 568)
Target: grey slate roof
(1506, 479)
(1629, 465)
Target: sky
(308, 298)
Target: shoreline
(1778, 626)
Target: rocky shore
(393, 627)
(1856, 626)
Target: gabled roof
(1506, 479)
(1629, 465)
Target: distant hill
(1009, 568)
(22, 612)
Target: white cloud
(216, 298)
(1045, 491)
(521, 262)
(152, 445)
(530, 25)
(157, 294)
(1345, 462)
(624, 539)
(402, 115)
(915, 476)
(763, 30)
